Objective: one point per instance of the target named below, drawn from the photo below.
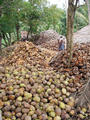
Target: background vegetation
(34, 16)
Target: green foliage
(81, 18)
(10, 17)
(53, 18)
(63, 24)
(6, 24)
(31, 15)
(35, 16)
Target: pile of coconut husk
(80, 64)
(8, 50)
(27, 52)
(49, 39)
(32, 90)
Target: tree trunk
(10, 39)
(88, 4)
(4, 38)
(28, 34)
(0, 31)
(70, 21)
(0, 43)
(17, 31)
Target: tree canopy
(34, 16)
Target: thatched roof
(83, 35)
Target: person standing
(61, 45)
